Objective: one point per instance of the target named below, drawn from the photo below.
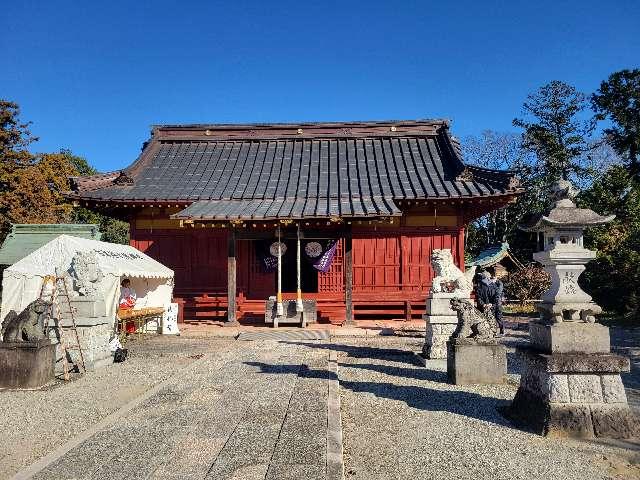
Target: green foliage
(618, 99)
(32, 186)
(15, 137)
(528, 283)
(555, 131)
(613, 279)
(555, 144)
(112, 229)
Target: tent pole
(279, 309)
(299, 306)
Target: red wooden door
(417, 274)
(376, 263)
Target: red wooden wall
(387, 264)
(382, 262)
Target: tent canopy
(113, 259)
(22, 282)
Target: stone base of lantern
(578, 395)
(568, 311)
(568, 337)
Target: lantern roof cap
(564, 214)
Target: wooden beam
(348, 275)
(231, 279)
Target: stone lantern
(564, 256)
(571, 384)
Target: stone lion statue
(449, 278)
(472, 323)
(28, 326)
(86, 273)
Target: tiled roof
(310, 207)
(492, 255)
(264, 171)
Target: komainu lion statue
(28, 326)
(472, 323)
(449, 278)
(86, 273)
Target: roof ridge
(418, 121)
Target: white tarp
(152, 281)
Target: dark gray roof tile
(336, 172)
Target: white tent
(152, 281)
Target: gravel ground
(37, 422)
(242, 411)
(404, 421)
(254, 409)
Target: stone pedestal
(291, 315)
(574, 394)
(441, 321)
(471, 362)
(569, 337)
(95, 330)
(26, 365)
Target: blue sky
(93, 76)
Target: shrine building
(352, 209)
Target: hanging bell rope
(279, 309)
(299, 306)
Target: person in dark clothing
(497, 305)
(477, 277)
(485, 291)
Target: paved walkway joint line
(335, 460)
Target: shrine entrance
(308, 274)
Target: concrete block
(585, 388)
(569, 419)
(558, 388)
(570, 337)
(436, 338)
(586, 403)
(26, 365)
(83, 307)
(440, 319)
(614, 421)
(472, 363)
(291, 316)
(613, 389)
(578, 362)
(440, 304)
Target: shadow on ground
(468, 404)
(300, 370)
(354, 351)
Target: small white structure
(94, 271)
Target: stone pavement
(220, 408)
(260, 413)
(403, 421)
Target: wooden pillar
(348, 275)
(231, 279)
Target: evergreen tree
(614, 277)
(555, 130)
(618, 100)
